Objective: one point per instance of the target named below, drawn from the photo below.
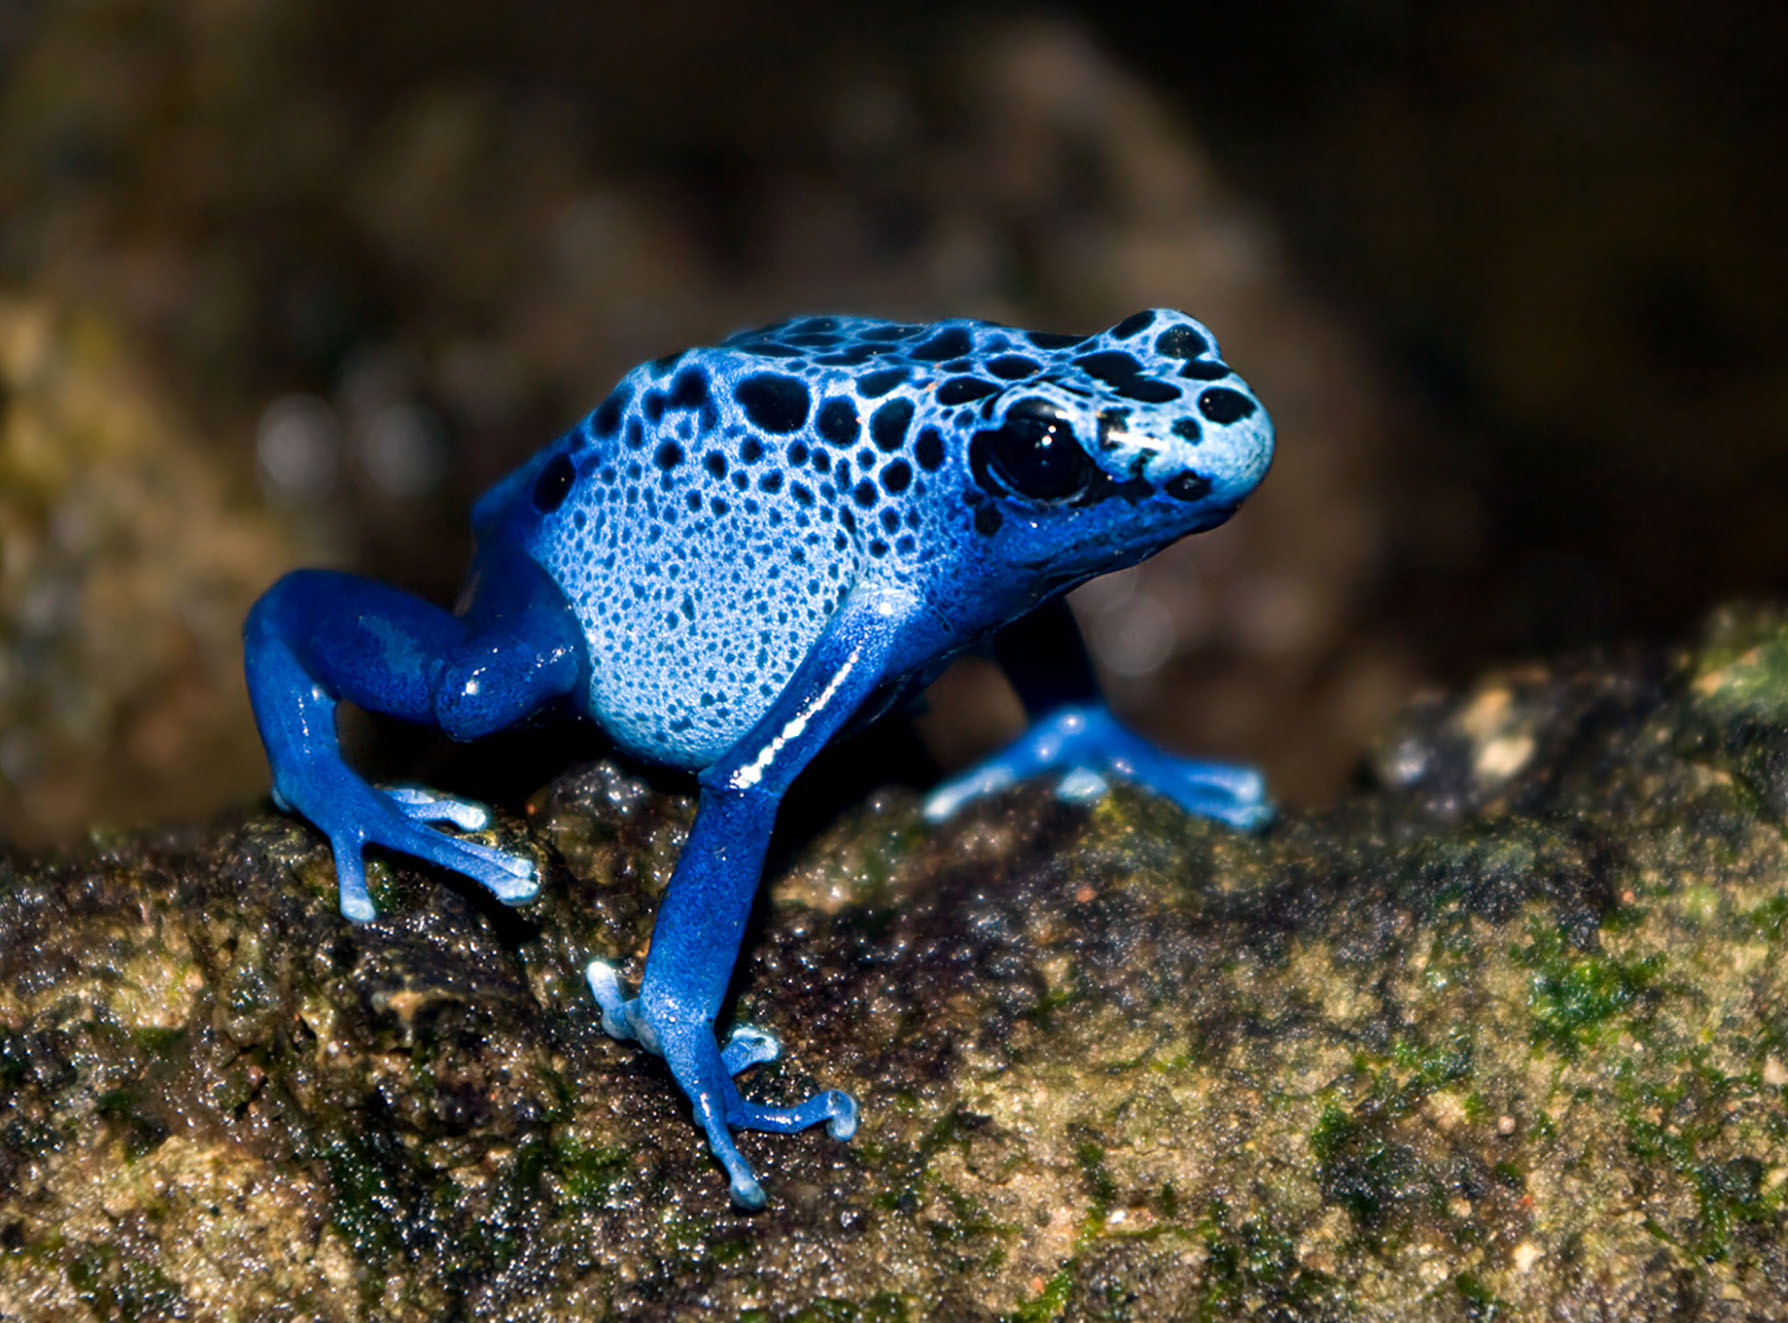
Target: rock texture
(1505, 1035)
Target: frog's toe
(1233, 795)
(833, 1106)
(1082, 785)
(745, 1190)
(748, 1047)
(425, 805)
(509, 877)
(616, 1007)
(987, 778)
(350, 880)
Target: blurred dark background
(289, 281)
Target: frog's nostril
(1188, 486)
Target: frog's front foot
(1081, 745)
(354, 815)
(704, 1071)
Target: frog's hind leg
(317, 638)
(1074, 737)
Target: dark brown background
(1510, 278)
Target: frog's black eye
(554, 484)
(1034, 453)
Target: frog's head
(1126, 442)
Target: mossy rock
(1501, 1036)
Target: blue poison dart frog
(745, 550)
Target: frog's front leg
(695, 940)
(318, 637)
(1073, 736)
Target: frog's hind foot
(1083, 745)
(354, 815)
(704, 1071)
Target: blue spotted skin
(745, 549)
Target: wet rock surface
(1503, 1035)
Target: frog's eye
(1034, 453)
(554, 484)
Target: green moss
(1417, 1069)
(157, 1042)
(1378, 1180)
(1728, 1195)
(589, 1172)
(362, 1209)
(1745, 676)
(143, 1131)
(1333, 1128)
(1049, 1303)
(1769, 917)
(1100, 1187)
(1682, 1126)
(124, 1288)
(1167, 1202)
(15, 1060)
(968, 1232)
(1579, 998)
(883, 1307)
(1482, 1305)
(1252, 1268)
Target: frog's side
(739, 552)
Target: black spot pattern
(607, 417)
(953, 343)
(889, 423)
(1014, 367)
(855, 356)
(1124, 374)
(1223, 405)
(1135, 324)
(838, 423)
(689, 389)
(1181, 342)
(1188, 487)
(960, 390)
(929, 449)
(774, 402)
(877, 384)
(554, 484)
